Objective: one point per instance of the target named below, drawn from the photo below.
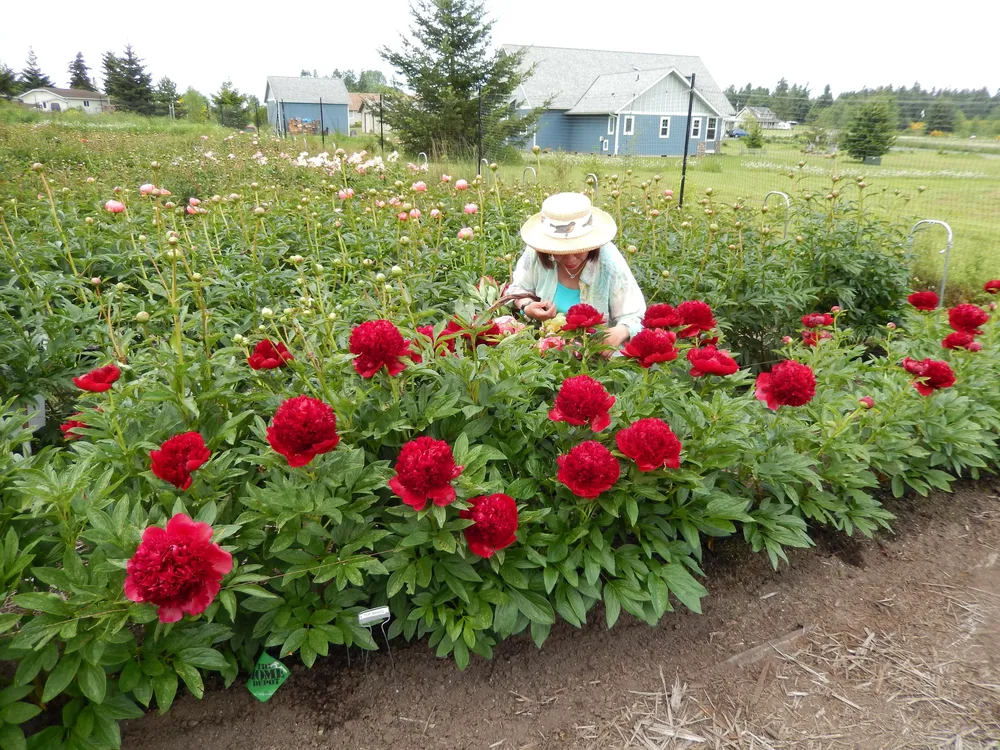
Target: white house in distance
(60, 100)
(354, 105)
(767, 119)
(371, 114)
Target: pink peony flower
(435, 213)
(446, 178)
(419, 187)
(465, 233)
(509, 325)
(403, 216)
(115, 207)
(471, 208)
(147, 189)
(194, 202)
(461, 185)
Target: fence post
(479, 139)
(284, 124)
(381, 127)
(322, 130)
(687, 141)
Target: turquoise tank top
(565, 298)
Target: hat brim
(604, 231)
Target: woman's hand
(615, 337)
(540, 310)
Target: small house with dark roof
(307, 105)
(355, 107)
(50, 99)
(621, 103)
(767, 119)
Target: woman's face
(572, 262)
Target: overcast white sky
(847, 43)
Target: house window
(664, 127)
(628, 127)
(604, 144)
(696, 127)
(45, 105)
(86, 103)
(612, 121)
(711, 128)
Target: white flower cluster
(850, 172)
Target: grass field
(950, 179)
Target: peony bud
(867, 401)
(266, 313)
(296, 259)
(196, 276)
(891, 326)
(396, 271)
(95, 280)
(142, 317)
(380, 277)
(37, 167)
(835, 309)
(665, 273)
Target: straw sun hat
(568, 223)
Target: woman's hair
(547, 262)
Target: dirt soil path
(892, 643)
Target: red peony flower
(580, 400)
(178, 568)
(992, 287)
(178, 457)
(961, 340)
(867, 401)
(442, 343)
(790, 383)
(267, 356)
(923, 300)
(68, 428)
(696, 316)
(376, 344)
(424, 471)
(812, 338)
(491, 336)
(661, 316)
(710, 361)
(652, 345)
(303, 427)
(588, 469)
(932, 374)
(651, 444)
(582, 316)
(98, 380)
(967, 318)
(495, 524)
(817, 320)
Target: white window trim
(709, 126)
(628, 126)
(696, 133)
(662, 119)
(604, 145)
(612, 124)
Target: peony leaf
(60, 677)
(12, 738)
(165, 687)
(93, 681)
(18, 713)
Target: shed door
(56, 107)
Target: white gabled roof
(305, 90)
(565, 74)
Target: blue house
(621, 103)
(306, 105)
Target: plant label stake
(378, 616)
(267, 677)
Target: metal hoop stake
(426, 163)
(946, 250)
(596, 184)
(532, 172)
(485, 173)
(788, 207)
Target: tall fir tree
(127, 83)
(941, 116)
(79, 75)
(872, 129)
(8, 82)
(165, 95)
(32, 77)
(230, 106)
(446, 64)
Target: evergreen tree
(941, 116)
(872, 129)
(32, 77)
(79, 75)
(755, 135)
(781, 103)
(165, 95)
(127, 83)
(820, 103)
(230, 106)
(446, 65)
(8, 82)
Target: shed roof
(356, 100)
(761, 114)
(306, 90)
(71, 93)
(565, 74)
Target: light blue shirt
(606, 283)
(565, 298)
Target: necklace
(572, 275)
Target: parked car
(737, 133)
